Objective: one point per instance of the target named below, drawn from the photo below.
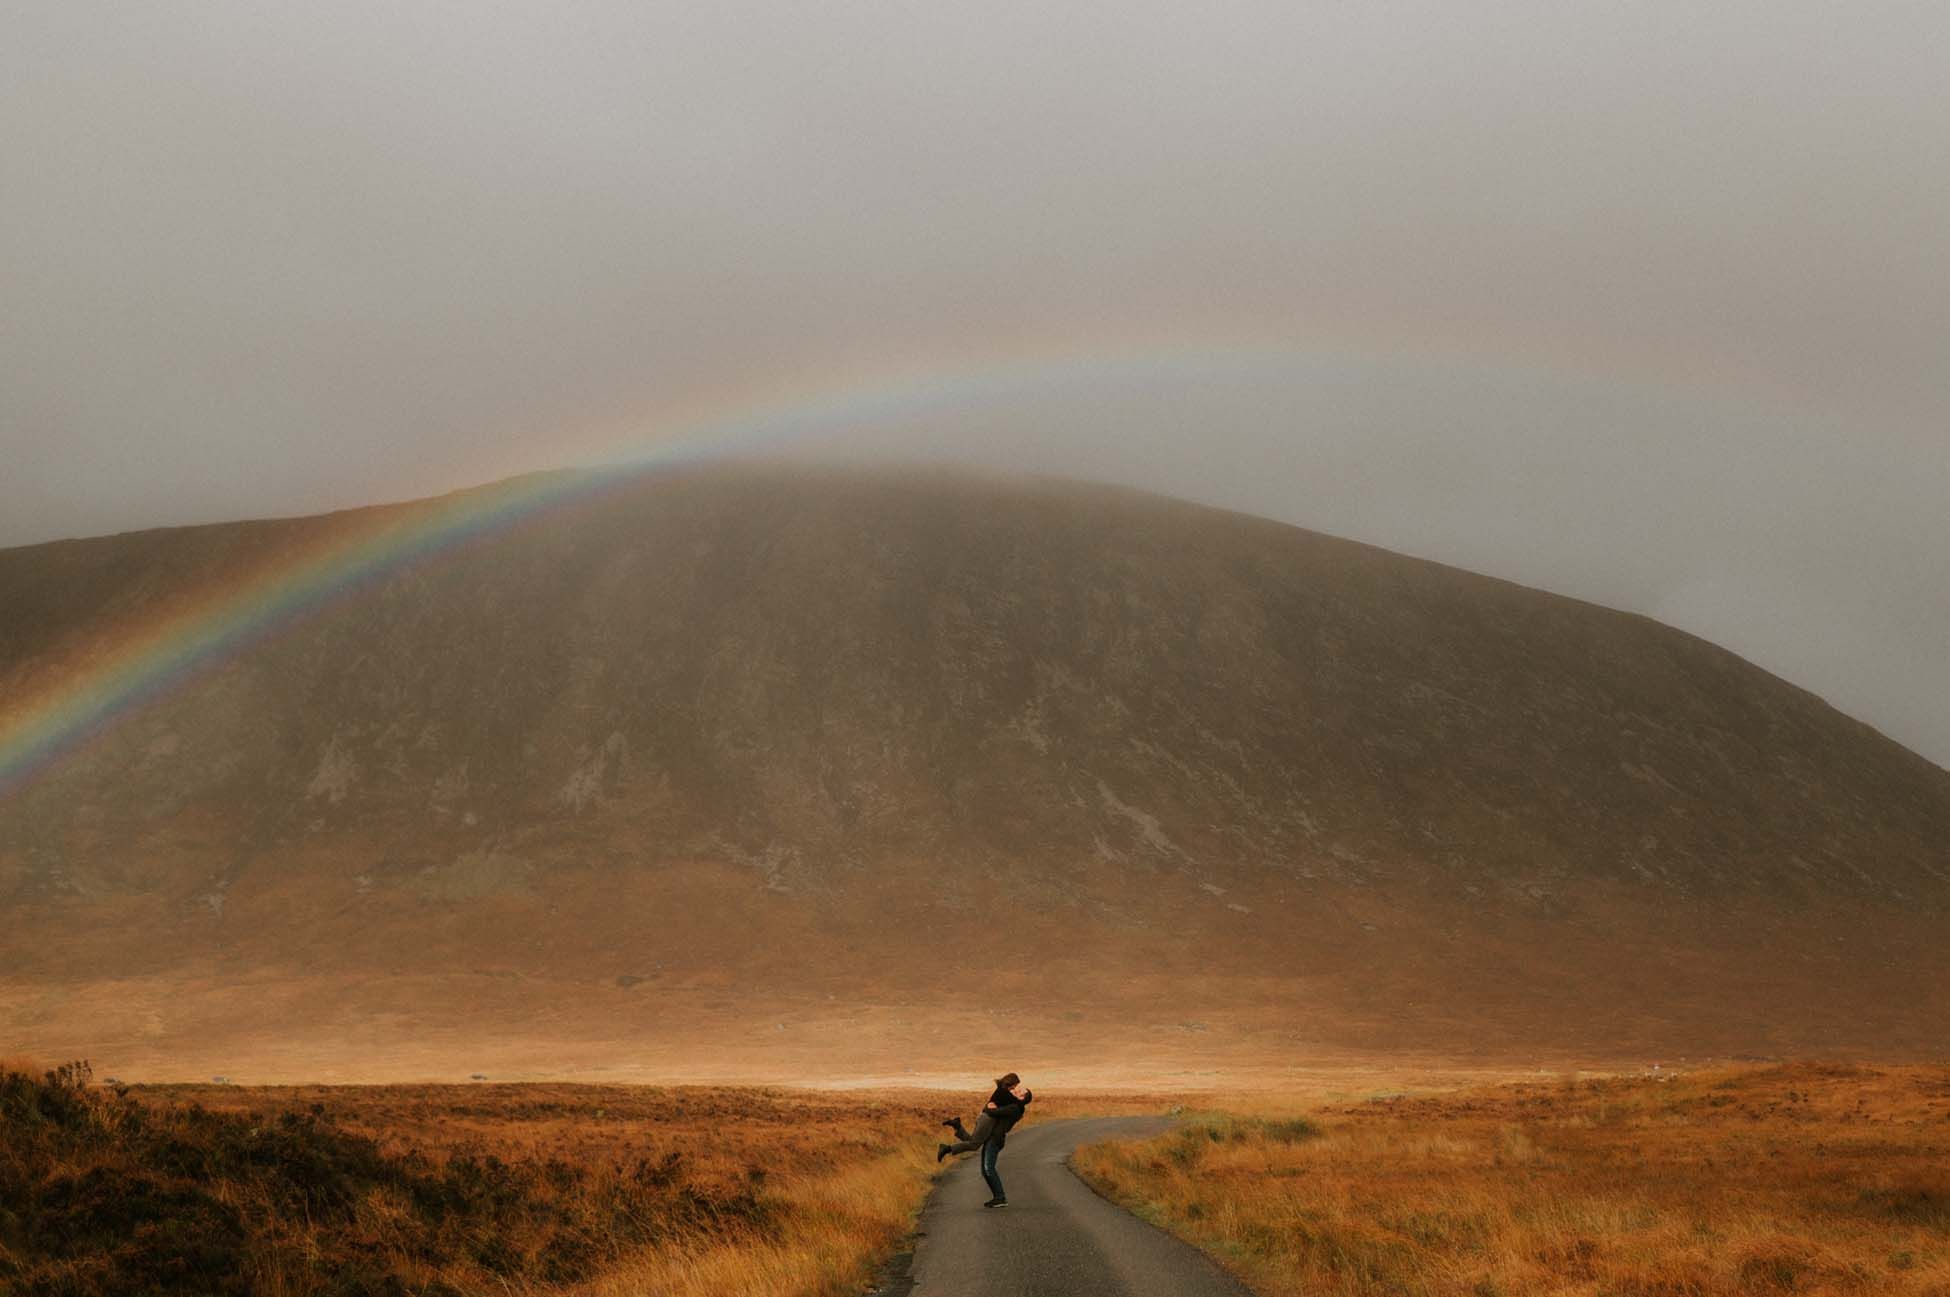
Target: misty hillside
(785, 761)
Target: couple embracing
(1002, 1111)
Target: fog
(1645, 304)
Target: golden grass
(839, 1228)
(448, 1191)
(1793, 1179)
(316, 1191)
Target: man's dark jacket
(1007, 1112)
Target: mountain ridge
(727, 739)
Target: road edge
(895, 1276)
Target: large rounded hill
(752, 768)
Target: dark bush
(102, 1195)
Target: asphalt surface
(1056, 1238)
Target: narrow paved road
(1055, 1238)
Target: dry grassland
(1790, 1179)
(451, 1190)
(443, 1190)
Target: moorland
(1794, 1178)
(112, 1190)
(1732, 1181)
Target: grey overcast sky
(1647, 303)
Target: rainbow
(121, 668)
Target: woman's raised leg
(969, 1143)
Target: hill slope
(741, 764)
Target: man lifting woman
(992, 1125)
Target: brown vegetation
(565, 1190)
(1789, 1179)
(448, 1189)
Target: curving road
(1056, 1238)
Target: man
(998, 1117)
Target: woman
(998, 1116)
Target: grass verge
(1795, 1179)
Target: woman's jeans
(984, 1124)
